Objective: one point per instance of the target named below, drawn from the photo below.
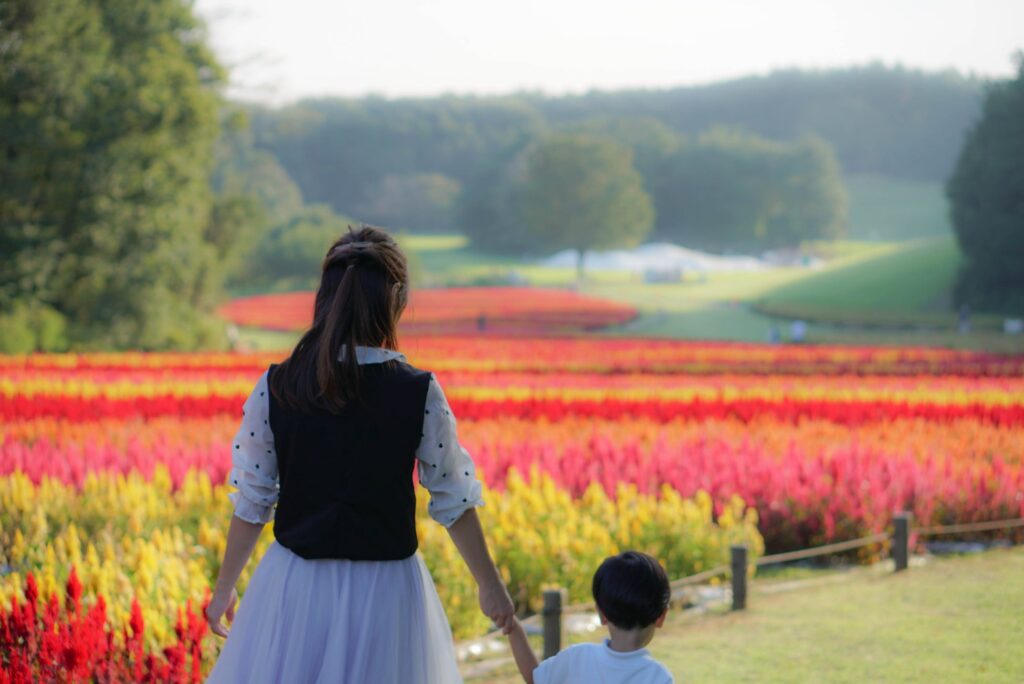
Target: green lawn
(448, 260)
(951, 620)
(891, 209)
(914, 277)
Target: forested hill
(892, 122)
(885, 121)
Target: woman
(330, 437)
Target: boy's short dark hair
(631, 589)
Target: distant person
(964, 319)
(481, 323)
(797, 331)
(632, 595)
(330, 438)
(774, 334)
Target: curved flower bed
(517, 310)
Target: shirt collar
(365, 355)
(640, 652)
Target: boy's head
(631, 590)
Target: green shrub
(32, 328)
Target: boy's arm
(526, 660)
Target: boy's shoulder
(567, 664)
(659, 672)
(596, 662)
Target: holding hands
(496, 604)
(494, 599)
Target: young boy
(632, 594)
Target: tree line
(723, 190)
(408, 163)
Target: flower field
(111, 468)
(503, 310)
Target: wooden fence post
(552, 614)
(739, 576)
(901, 539)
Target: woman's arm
(447, 470)
(254, 476)
(526, 659)
(494, 599)
(242, 537)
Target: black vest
(347, 479)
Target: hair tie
(350, 247)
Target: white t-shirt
(599, 664)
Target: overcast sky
(283, 50)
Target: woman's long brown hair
(364, 288)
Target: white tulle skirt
(339, 621)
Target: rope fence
(825, 550)
(550, 618)
(969, 527)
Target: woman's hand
(497, 605)
(221, 606)
(242, 538)
(494, 599)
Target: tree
(583, 193)
(986, 193)
(490, 210)
(294, 250)
(415, 202)
(236, 227)
(338, 150)
(651, 140)
(812, 195)
(108, 112)
(731, 190)
(240, 169)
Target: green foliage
(243, 170)
(732, 190)
(416, 202)
(109, 111)
(985, 192)
(339, 150)
(883, 121)
(582, 192)
(652, 141)
(351, 152)
(30, 328)
(880, 120)
(237, 225)
(295, 249)
(490, 211)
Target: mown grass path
(951, 620)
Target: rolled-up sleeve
(445, 467)
(254, 461)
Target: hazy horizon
(310, 48)
(609, 89)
